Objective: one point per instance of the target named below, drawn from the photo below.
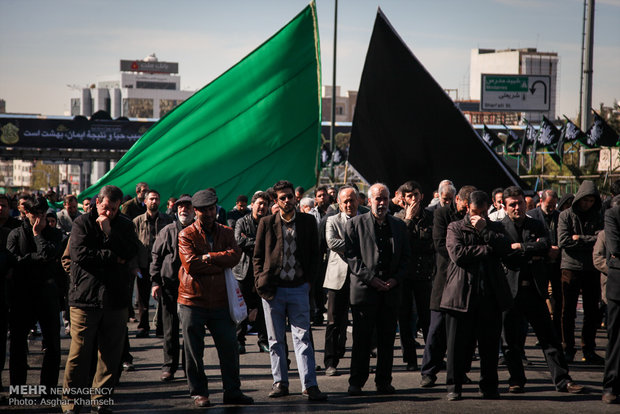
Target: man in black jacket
(164, 271)
(245, 235)
(435, 344)
(577, 232)
(33, 292)
(611, 377)
(528, 284)
(475, 294)
(102, 244)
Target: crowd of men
(469, 271)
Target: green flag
(257, 123)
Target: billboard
(515, 93)
(149, 67)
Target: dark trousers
(43, 307)
(337, 321)
(555, 278)
(482, 323)
(589, 283)
(366, 318)
(170, 325)
(252, 301)
(415, 299)
(144, 296)
(611, 377)
(530, 305)
(318, 295)
(435, 345)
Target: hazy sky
(47, 45)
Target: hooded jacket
(577, 254)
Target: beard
(186, 219)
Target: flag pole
(333, 126)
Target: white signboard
(527, 93)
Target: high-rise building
(527, 61)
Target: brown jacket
(203, 284)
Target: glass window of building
(167, 105)
(138, 108)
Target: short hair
(69, 198)
(25, 196)
(112, 192)
(153, 191)
(306, 201)
(379, 185)
(410, 186)
(446, 188)
(283, 185)
(6, 198)
(615, 188)
(347, 187)
(300, 190)
(495, 192)
(173, 199)
(261, 194)
(513, 192)
(616, 200)
(466, 191)
(549, 193)
(321, 188)
(478, 198)
(140, 185)
(36, 204)
(242, 198)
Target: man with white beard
(164, 272)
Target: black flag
(406, 127)
(549, 134)
(512, 140)
(600, 134)
(491, 138)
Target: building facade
(345, 105)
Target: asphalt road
(141, 391)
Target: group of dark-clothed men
(469, 271)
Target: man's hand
(554, 252)
(391, 283)
(104, 224)
(575, 237)
(515, 246)
(412, 210)
(206, 258)
(155, 291)
(378, 284)
(478, 222)
(38, 226)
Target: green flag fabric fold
(257, 123)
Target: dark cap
(184, 199)
(203, 198)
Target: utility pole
(586, 103)
(332, 131)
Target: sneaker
(314, 394)
(278, 390)
(428, 381)
(331, 372)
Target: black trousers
(555, 278)
(589, 284)
(484, 324)
(144, 296)
(529, 304)
(337, 321)
(418, 293)
(435, 345)
(366, 318)
(170, 325)
(41, 305)
(611, 377)
(252, 301)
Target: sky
(48, 47)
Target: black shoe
(501, 361)
(569, 355)
(278, 391)
(238, 399)
(489, 395)
(467, 380)
(314, 394)
(241, 348)
(428, 381)
(412, 366)
(454, 396)
(128, 366)
(167, 376)
(355, 391)
(386, 389)
(591, 357)
(142, 333)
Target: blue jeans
(294, 303)
(223, 330)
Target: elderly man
(445, 195)
(285, 263)
(378, 253)
(528, 284)
(164, 271)
(102, 243)
(206, 249)
(134, 207)
(68, 214)
(245, 235)
(148, 225)
(337, 279)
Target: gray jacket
(165, 261)
(337, 266)
(245, 235)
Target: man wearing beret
(206, 249)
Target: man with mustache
(165, 264)
(378, 253)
